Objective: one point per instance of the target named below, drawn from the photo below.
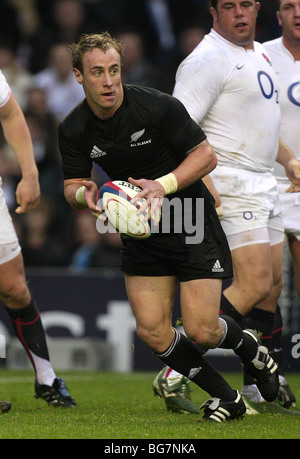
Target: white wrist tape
(169, 183)
(79, 196)
(219, 211)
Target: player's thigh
(269, 303)
(277, 254)
(200, 305)
(252, 262)
(294, 245)
(151, 300)
(252, 276)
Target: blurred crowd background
(34, 57)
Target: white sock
(252, 393)
(44, 371)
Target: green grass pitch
(122, 406)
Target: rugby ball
(115, 200)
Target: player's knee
(157, 340)
(15, 295)
(149, 337)
(257, 290)
(278, 284)
(262, 289)
(207, 336)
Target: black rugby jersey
(147, 137)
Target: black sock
(234, 338)
(185, 358)
(229, 310)
(277, 344)
(261, 321)
(29, 329)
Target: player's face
(289, 19)
(101, 81)
(236, 20)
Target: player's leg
(26, 321)
(247, 198)
(252, 280)
(286, 396)
(152, 300)
(294, 245)
(261, 317)
(202, 323)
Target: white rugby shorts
(9, 244)
(290, 206)
(251, 206)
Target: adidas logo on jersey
(217, 268)
(96, 152)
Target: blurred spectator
(92, 248)
(64, 21)
(58, 81)
(41, 238)
(107, 254)
(27, 16)
(37, 106)
(136, 68)
(86, 239)
(188, 39)
(46, 155)
(43, 131)
(107, 14)
(267, 25)
(19, 79)
(9, 24)
(161, 21)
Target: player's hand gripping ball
(115, 200)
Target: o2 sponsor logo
(267, 86)
(248, 215)
(294, 93)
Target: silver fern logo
(136, 136)
(193, 372)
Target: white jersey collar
(216, 36)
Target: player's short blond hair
(88, 42)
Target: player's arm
(198, 162)
(292, 166)
(207, 180)
(81, 193)
(18, 137)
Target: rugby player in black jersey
(169, 159)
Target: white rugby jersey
(5, 90)
(233, 94)
(288, 74)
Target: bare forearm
(18, 137)
(70, 189)
(288, 160)
(81, 194)
(284, 153)
(198, 163)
